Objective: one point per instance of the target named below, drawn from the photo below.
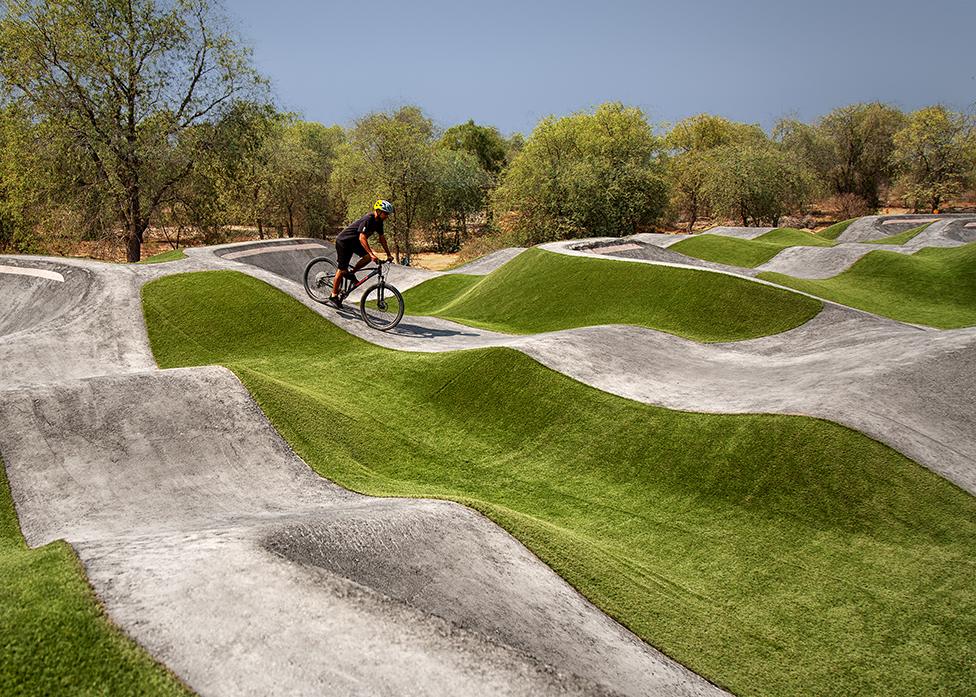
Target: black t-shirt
(368, 224)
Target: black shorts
(344, 251)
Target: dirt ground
(434, 262)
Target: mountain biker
(355, 240)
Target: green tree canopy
(460, 189)
(126, 79)
(484, 142)
(596, 173)
(936, 155)
(861, 138)
(693, 142)
(757, 183)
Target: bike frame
(373, 271)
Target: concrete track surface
(906, 386)
(800, 261)
(218, 550)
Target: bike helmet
(384, 206)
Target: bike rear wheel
(381, 307)
(319, 275)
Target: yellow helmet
(382, 205)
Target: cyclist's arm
(386, 247)
(363, 241)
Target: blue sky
(508, 63)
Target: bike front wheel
(381, 307)
(319, 275)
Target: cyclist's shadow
(421, 332)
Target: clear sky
(508, 63)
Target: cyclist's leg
(344, 253)
(363, 258)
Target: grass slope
(544, 291)
(835, 230)
(170, 255)
(54, 636)
(734, 251)
(935, 286)
(901, 237)
(776, 555)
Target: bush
(586, 174)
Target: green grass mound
(835, 230)
(901, 237)
(54, 637)
(934, 286)
(170, 255)
(749, 254)
(542, 291)
(775, 555)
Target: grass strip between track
(542, 291)
(775, 555)
(935, 286)
(901, 237)
(734, 251)
(54, 636)
(170, 255)
(835, 230)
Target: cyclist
(355, 240)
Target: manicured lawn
(734, 251)
(901, 237)
(835, 230)
(544, 291)
(170, 255)
(776, 555)
(935, 286)
(54, 636)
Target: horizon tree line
(119, 117)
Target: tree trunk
(291, 223)
(260, 229)
(133, 245)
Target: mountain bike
(381, 305)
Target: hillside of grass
(735, 251)
(542, 291)
(54, 636)
(776, 555)
(901, 237)
(935, 286)
(162, 257)
(835, 230)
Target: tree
(688, 174)
(239, 164)
(389, 155)
(692, 141)
(127, 79)
(757, 183)
(300, 161)
(484, 142)
(589, 173)
(705, 131)
(18, 167)
(862, 139)
(808, 144)
(936, 155)
(460, 190)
